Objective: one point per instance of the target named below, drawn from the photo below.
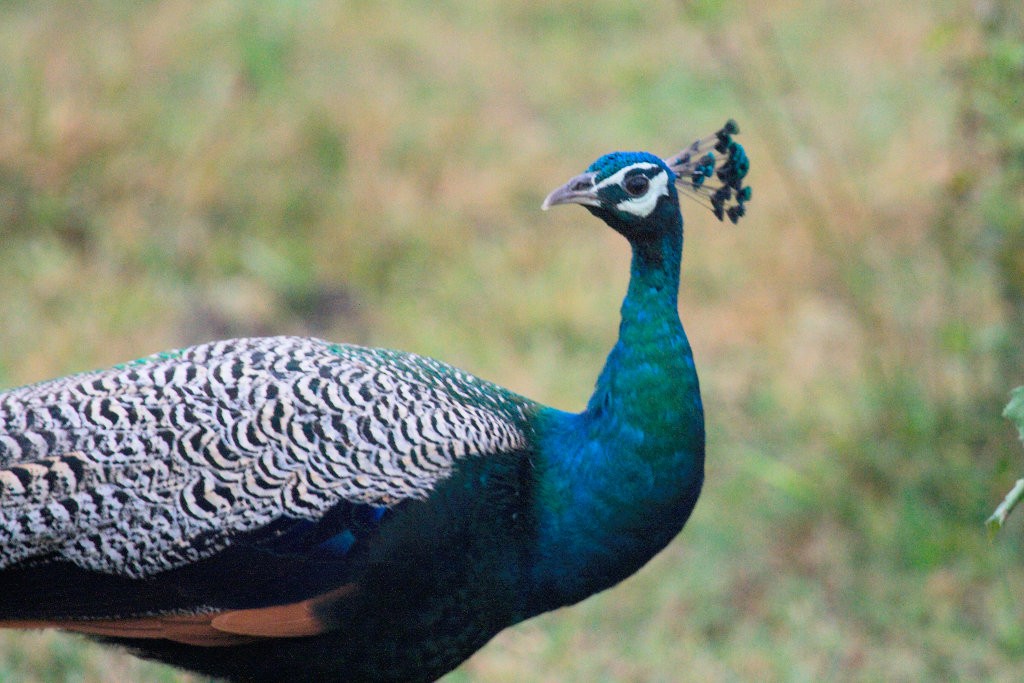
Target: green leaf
(1014, 410)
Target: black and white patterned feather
(158, 463)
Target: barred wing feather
(157, 463)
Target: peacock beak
(579, 190)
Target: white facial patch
(643, 205)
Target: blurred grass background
(172, 172)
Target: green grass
(172, 172)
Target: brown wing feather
(215, 629)
(282, 621)
(192, 629)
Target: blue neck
(617, 482)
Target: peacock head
(635, 192)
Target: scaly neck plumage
(650, 333)
(617, 482)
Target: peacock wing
(202, 461)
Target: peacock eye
(636, 185)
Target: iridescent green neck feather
(618, 481)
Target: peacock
(285, 508)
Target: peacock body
(286, 508)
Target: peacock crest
(713, 169)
